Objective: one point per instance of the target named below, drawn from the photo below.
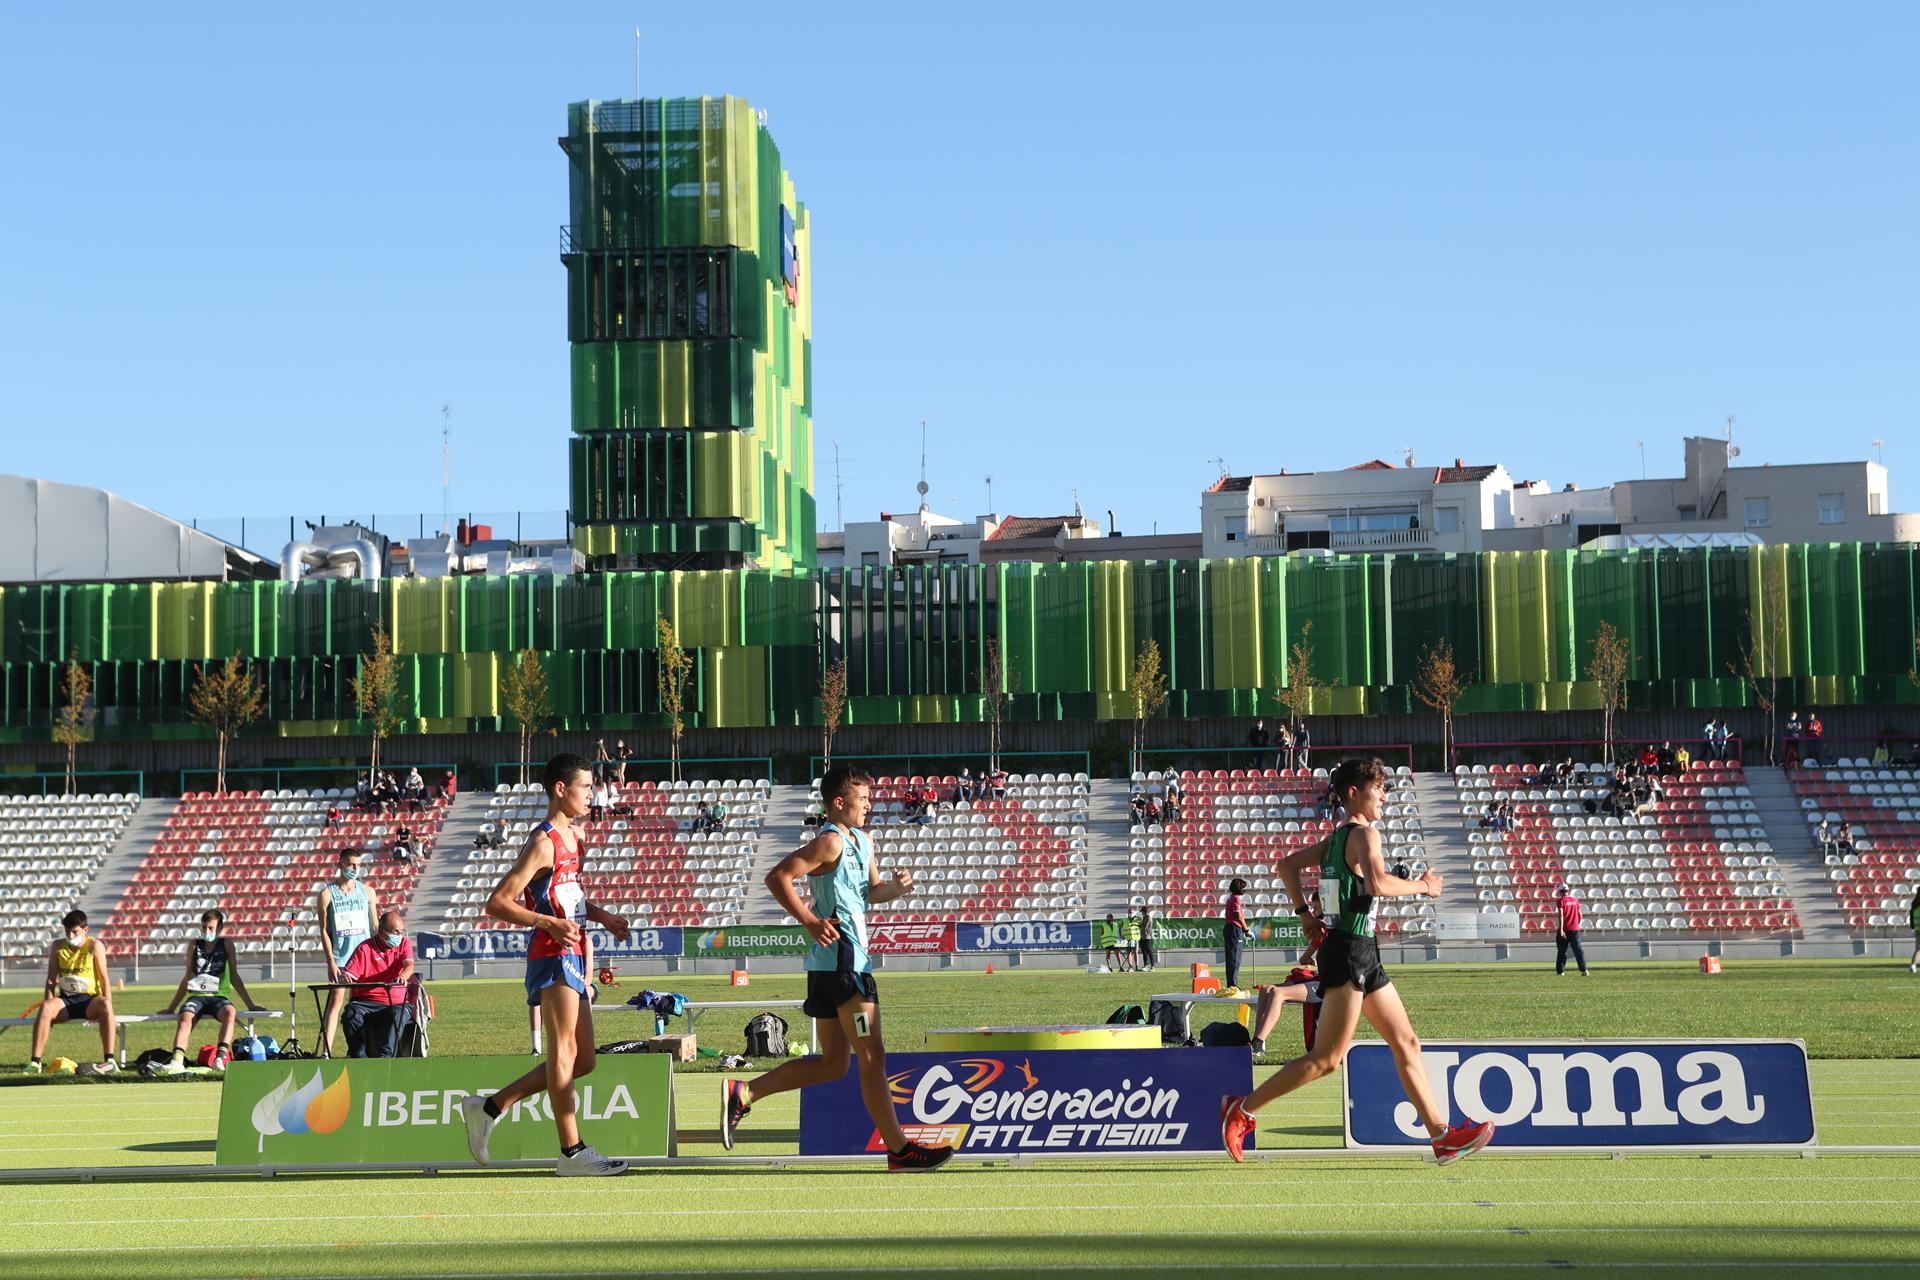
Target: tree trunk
(220, 764)
(523, 755)
(72, 748)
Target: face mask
(350, 873)
(76, 938)
(208, 935)
(393, 939)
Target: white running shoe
(588, 1163)
(473, 1109)
(99, 1068)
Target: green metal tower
(689, 314)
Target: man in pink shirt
(377, 1012)
(1567, 937)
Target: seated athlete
(213, 969)
(77, 991)
(1302, 987)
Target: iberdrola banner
(378, 1110)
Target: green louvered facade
(689, 300)
(1843, 619)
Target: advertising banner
(1605, 1094)
(911, 938)
(1024, 935)
(372, 1110)
(511, 944)
(747, 940)
(1047, 1101)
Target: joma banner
(1057, 1101)
(1025, 935)
(371, 1110)
(1592, 1093)
(511, 944)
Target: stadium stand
(1239, 822)
(260, 856)
(1874, 881)
(1024, 853)
(50, 848)
(645, 858)
(1696, 861)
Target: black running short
(1347, 958)
(77, 1006)
(206, 1006)
(827, 991)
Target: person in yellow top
(77, 991)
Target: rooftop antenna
(446, 469)
(921, 488)
(636, 63)
(1879, 452)
(1221, 463)
(1729, 428)
(1076, 502)
(1642, 446)
(839, 519)
(1409, 455)
(990, 491)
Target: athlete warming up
(1352, 982)
(544, 892)
(845, 880)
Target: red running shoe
(1461, 1141)
(914, 1158)
(733, 1109)
(1236, 1126)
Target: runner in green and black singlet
(1352, 983)
(213, 970)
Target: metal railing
(1546, 750)
(44, 782)
(692, 769)
(1321, 756)
(914, 762)
(313, 775)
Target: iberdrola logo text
(314, 1107)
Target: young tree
(73, 724)
(1439, 682)
(1608, 667)
(833, 706)
(226, 699)
(996, 686)
(1763, 651)
(676, 667)
(1148, 683)
(523, 692)
(376, 692)
(1297, 694)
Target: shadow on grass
(206, 1145)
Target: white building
(1374, 506)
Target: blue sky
(246, 253)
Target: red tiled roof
(1034, 527)
(1372, 465)
(1459, 475)
(1232, 484)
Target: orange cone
(989, 967)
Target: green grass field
(1725, 1216)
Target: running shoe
(221, 1058)
(1259, 1047)
(1236, 1126)
(1461, 1141)
(588, 1163)
(171, 1067)
(473, 1110)
(733, 1109)
(914, 1158)
(32, 1068)
(102, 1068)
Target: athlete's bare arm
(180, 992)
(879, 890)
(535, 856)
(1363, 855)
(822, 853)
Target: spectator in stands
(1170, 786)
(1490, 815)
(416, 787)
(1879, 753)
(77, 991)
(963, 787)
(1112, 938)
(1649, 760)
(1283, 759)
(1666, 762)
(213, 969)
(1303, 746)
(704, 819)
(620, 757)
(378, 1014)
(1682, 759)
(1146, 936)
(1814, 732)
(403, 848)
(1257, 736)
(1824, 835)
(1843, 843)
(345, 909)
(997, 784)
(720, 815)
(1170, 806)
(1154, 811)
(602, 762)
(1234, 927)
(449, 787)
(1566, 939)
(362, 792)
(1790, 739)
(1563, 772)
(333, 819)
(490, 837)
(597, 807)
(1139, 806)
(1709, 739)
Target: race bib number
(73, 984)
(203, 984)
(350, 922)
(571, 900)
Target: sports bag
(1128, 1015)
(1174, 1020)
(766, 1036)
(1224, 1035)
